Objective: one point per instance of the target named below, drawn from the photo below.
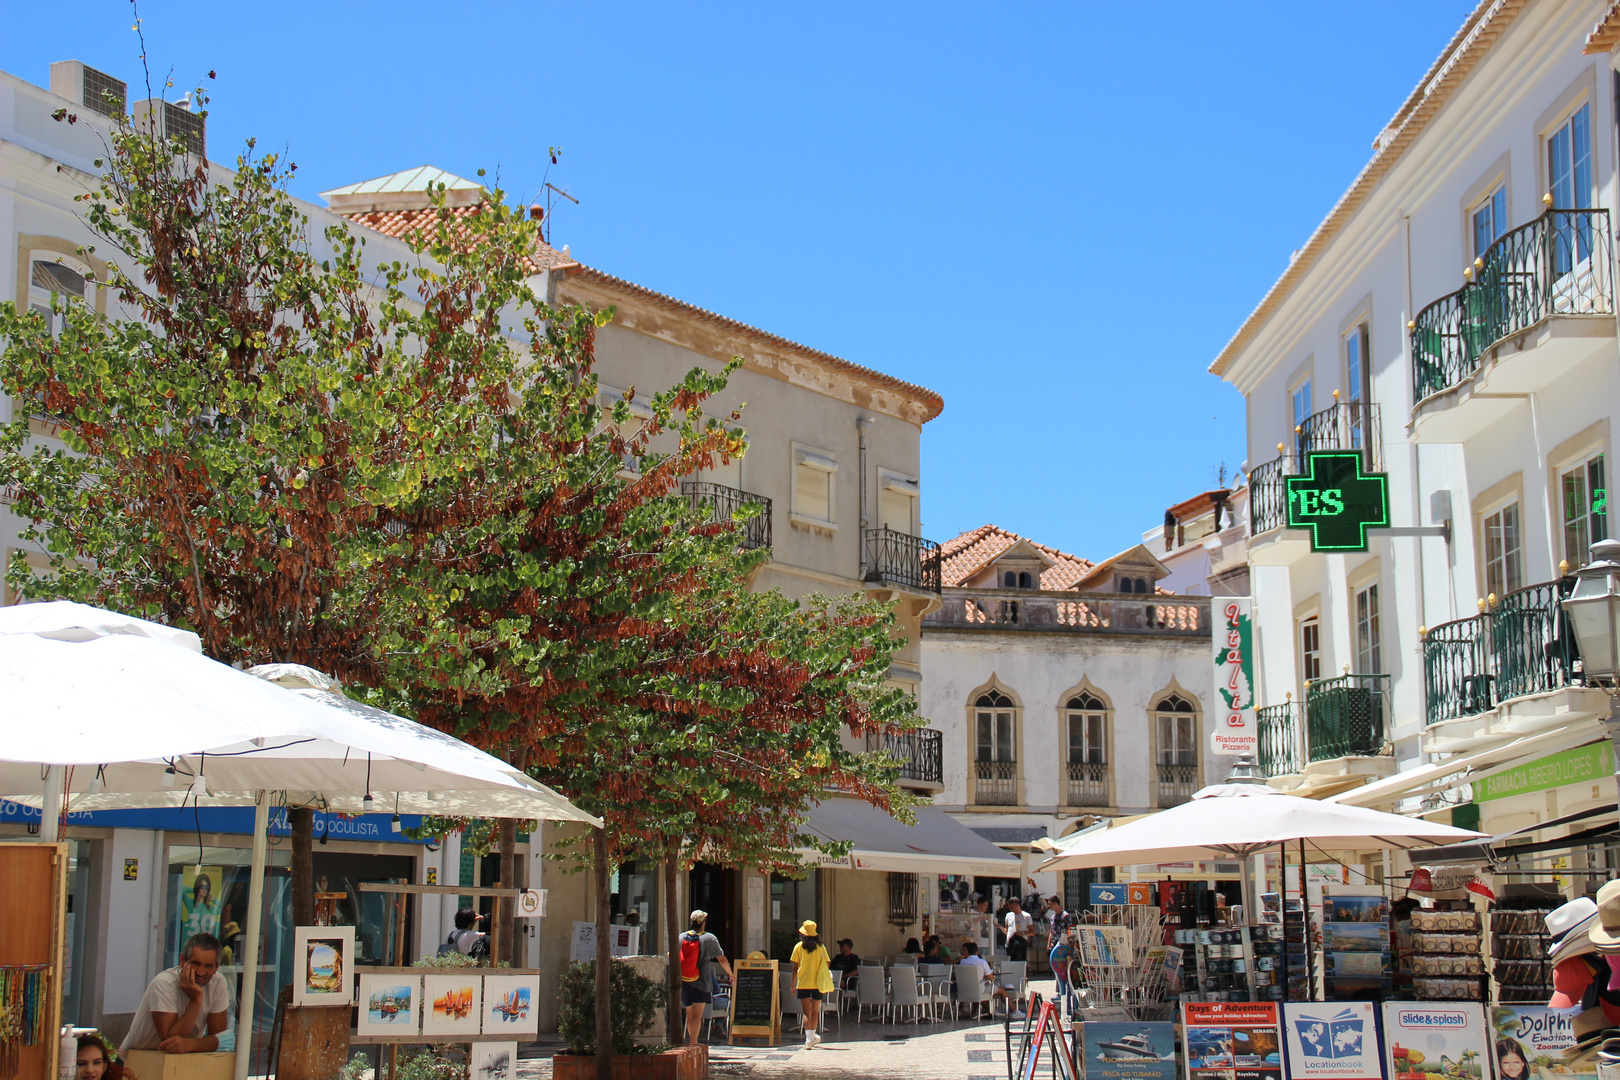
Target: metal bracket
(1442, 530)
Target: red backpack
(691, 949)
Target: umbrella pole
(250, 939)
(50, 811)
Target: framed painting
(451, 1003)
(390, 1005)
(509, 1005)
(323, 965)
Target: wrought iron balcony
(1268, 494)
(1070, 612)
(1088, 783)
(1344, 425)
(1559, 264)
(995, 783)
(920, 753)
(1523, 645)
(897, 558)
(1347, 717)
(1177, 782)
(1280, 750)
(724, 502)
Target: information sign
(1129, 1051)
(1337, 501)
(1235, 728)
(1105, 894)
(755, 1006)
(1419, 1034)
(1236, 1040)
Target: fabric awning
(1501, 847)
(937, 844)
(1465, 768)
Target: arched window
(1087, 721)
(48, 278)
(1175, 722)
(1141, 585)
(1025, 581)
(1009, 580)
(995, 759)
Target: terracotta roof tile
(965, 555)
(1606, 34)
(403, 224)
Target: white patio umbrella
(123, 713)
(1235, 821)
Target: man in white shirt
(1020, 930)
(186, 1007)
(970, 955)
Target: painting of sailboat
(389, 1005)
(509, 1005)
(450, 1004)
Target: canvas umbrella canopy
(120, 712)
(1235, 821)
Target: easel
(744, 1020)
(402, 892)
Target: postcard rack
(1126, 964)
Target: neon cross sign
(1337, 501)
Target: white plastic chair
(719, 1008)
(909, 959)
(791, 1005)
(903, 994)
(871, 991)
(972, 990)
(1014, 976)
(936, 984)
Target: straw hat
(1605, 933)
(1560, 921)
(807, 928)
(1591, 1027)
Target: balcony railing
(1344, 425)
(1088, 783)
(995, 783)
(1559, 264)
(1268, 495)
(1521, 646)
(920, 754)
(1347, 717)
(1280, 751)
(723, 502)
(1037, 611)
(1176, 783)
(897, 558)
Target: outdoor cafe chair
(717, 1009)
(791, 1005)
(903, 994)
(972, 990)
(832, 1003)
(871, 991)
(1014, 975)
(908, 959)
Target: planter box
(682, 1063)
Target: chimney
(84, 85)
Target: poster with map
(1332, 1040)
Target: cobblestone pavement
(954, 1050)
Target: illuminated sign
(1235, 730)
(1337, 501)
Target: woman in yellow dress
(812, 979)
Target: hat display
(1577, 942)
(1591, 1027)
(1560, 921)
(1605, 933)
(808, 928)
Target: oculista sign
(1235, 730)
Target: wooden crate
(156, 1065)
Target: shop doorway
(792, 901)
(714, 889)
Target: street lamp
(1593, 607)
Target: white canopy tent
(118, 712)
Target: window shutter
(810, 492)
(896, 509)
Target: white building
(1452, 319)
(1066, 690)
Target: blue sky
(1052, 214)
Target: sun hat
(1560, 921)
(808, 928)
(1605, 933)
(1591, 1027)
(1577, 942)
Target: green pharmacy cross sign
(1337, 501)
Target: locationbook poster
(1336, 1040)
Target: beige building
(833, 457)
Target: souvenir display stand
(32, 933)
(1520, 973)
(1125, 962)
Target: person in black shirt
(846, 963)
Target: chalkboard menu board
(756, 1010)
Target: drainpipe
(862, 425)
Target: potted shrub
(634, 999)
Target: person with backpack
(812, 979)
(466, 938)
(700, 951)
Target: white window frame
(1582, 465)
(1495, 201)
(608, 397)
(1367, 610)
(823, 461)
(1486, 561)
(1311, 619)
(889, 480)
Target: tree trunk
(504, 908)
(676, 1033)
(604, 961)
(301, 823)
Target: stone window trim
(1101, 703)
(994, 685)
(1498, 176)
(1574, 451)
(56, 249)
(1159, 706)
(1582, 91)
(804, 457)
(1490, 501)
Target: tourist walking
(812, 979)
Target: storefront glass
(635, 902)
(792, 902)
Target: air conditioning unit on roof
(88, 87)
(174, 121)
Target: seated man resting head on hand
(185, 1007)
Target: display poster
(1235, 729)
(582, 943)
(1105, 946)
(1107, 893)
(1140, 893)
(1134, 1051)
(324, 965)
(1430, 1040)
(199, 904)
(1232, 1040)
(1332, 1040)
(1355, 942)
(1529, 1042)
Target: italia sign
(1235, 730)
(1337, 501)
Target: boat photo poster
(1335, 1040)
(1232, 1040)
(1128, 1051)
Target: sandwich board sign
(756, 1007)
